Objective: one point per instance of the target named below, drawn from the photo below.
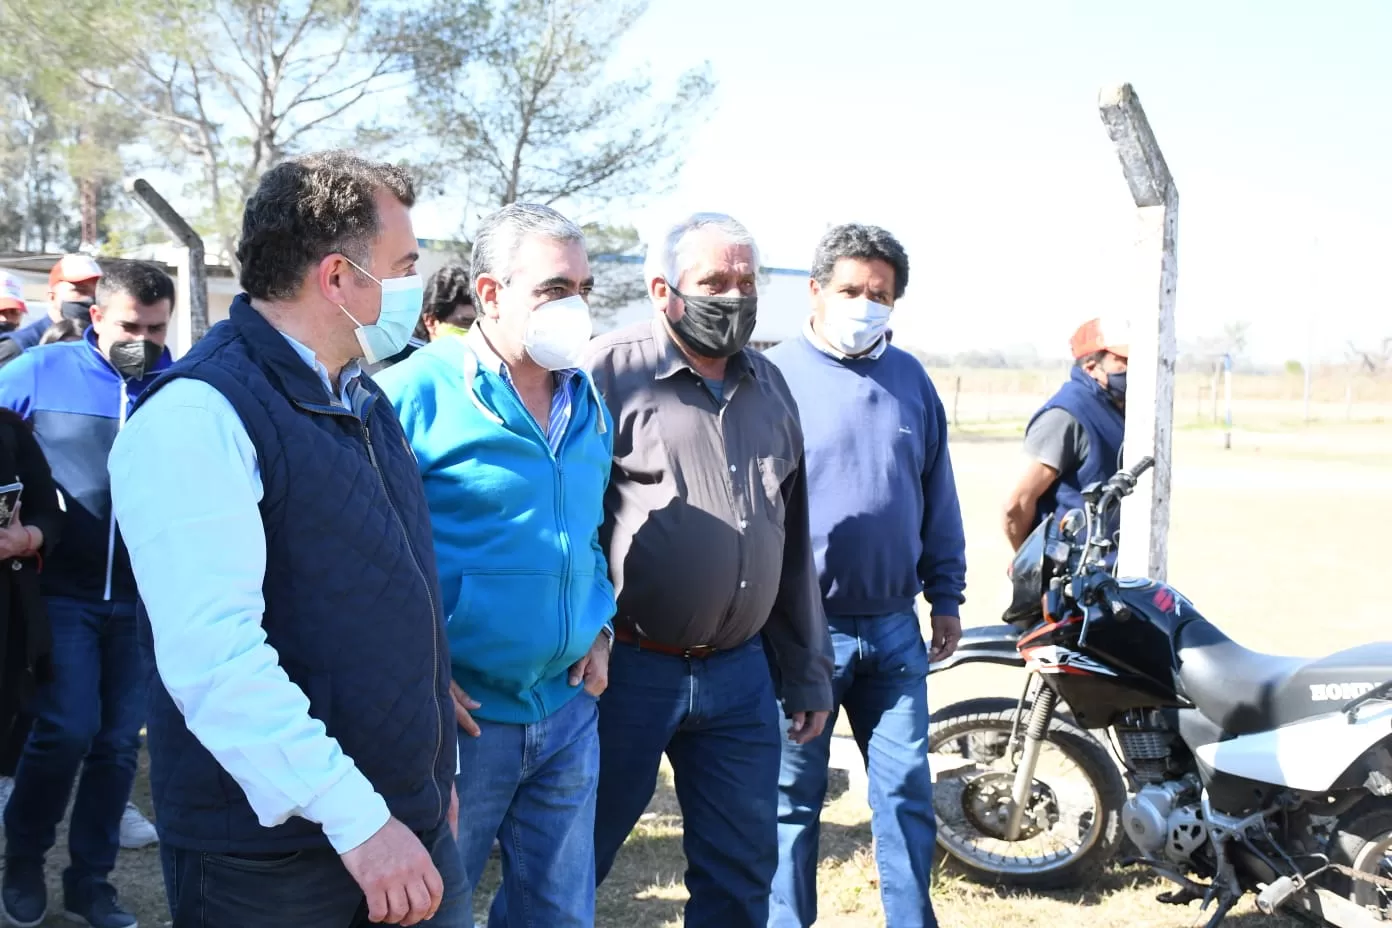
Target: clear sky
(970, 130)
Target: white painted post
(1227, 402)
(1150, 383)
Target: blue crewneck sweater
(885, 519)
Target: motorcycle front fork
(1036, 730)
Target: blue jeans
(301, 889)
(533, 787)
(92, 708)
(881, 683)
(717, 720)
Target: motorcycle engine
(1164, 818)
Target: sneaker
(25, 896)
(6, 788)
(95, 904)
(136, 830)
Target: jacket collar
(670, 359)
(268, 347)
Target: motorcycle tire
(998, 715)
(1363, 831)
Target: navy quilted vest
(352, 598)
(1087, 401)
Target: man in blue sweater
(77, 396)
(514, 448)
(886, 526)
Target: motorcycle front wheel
(1072, 826)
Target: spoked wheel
(1363, 842)
(1072, 824)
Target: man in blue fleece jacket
(514, 449)
(886, 526)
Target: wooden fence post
(1150, 384)
(191, 303)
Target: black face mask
(134, 359)
(81, 313)
(8, 326)
(716, 326)
(1116, 386)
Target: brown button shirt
(706, 512)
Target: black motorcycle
(1238, 771)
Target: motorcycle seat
(1246, 691)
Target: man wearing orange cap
(72, 286)
(1075, 439)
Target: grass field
(1281, 541)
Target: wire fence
(1006, 398)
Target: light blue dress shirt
(185, 486)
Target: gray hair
(665, 261)
(501, 234)
(864, 243)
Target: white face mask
(557, 333)
(854, 326)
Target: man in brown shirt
(719, 609)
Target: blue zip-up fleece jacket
(77, 403)
(524, 581)
(885, 519)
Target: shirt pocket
(773, 471)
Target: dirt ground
(1281, 541)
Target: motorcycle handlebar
(1121, 484)
(1143, 465)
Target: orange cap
(1099, 335)
(11, 292)
(74, 269)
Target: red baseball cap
(1100, 335)
(11, 292)
(74, 269)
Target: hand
(453, 815)
(593, 668)
(17, 540)
(947, 632)
(807, 726)
(396, 875)
(463, 702)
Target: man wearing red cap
(1075, 439)
(72, 287)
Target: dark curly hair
(446, 291)
(868, 243)
(308, 208)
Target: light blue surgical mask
(402, 298)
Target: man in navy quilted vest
(1075, 438)
(301, 733)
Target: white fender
(1308, 755)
